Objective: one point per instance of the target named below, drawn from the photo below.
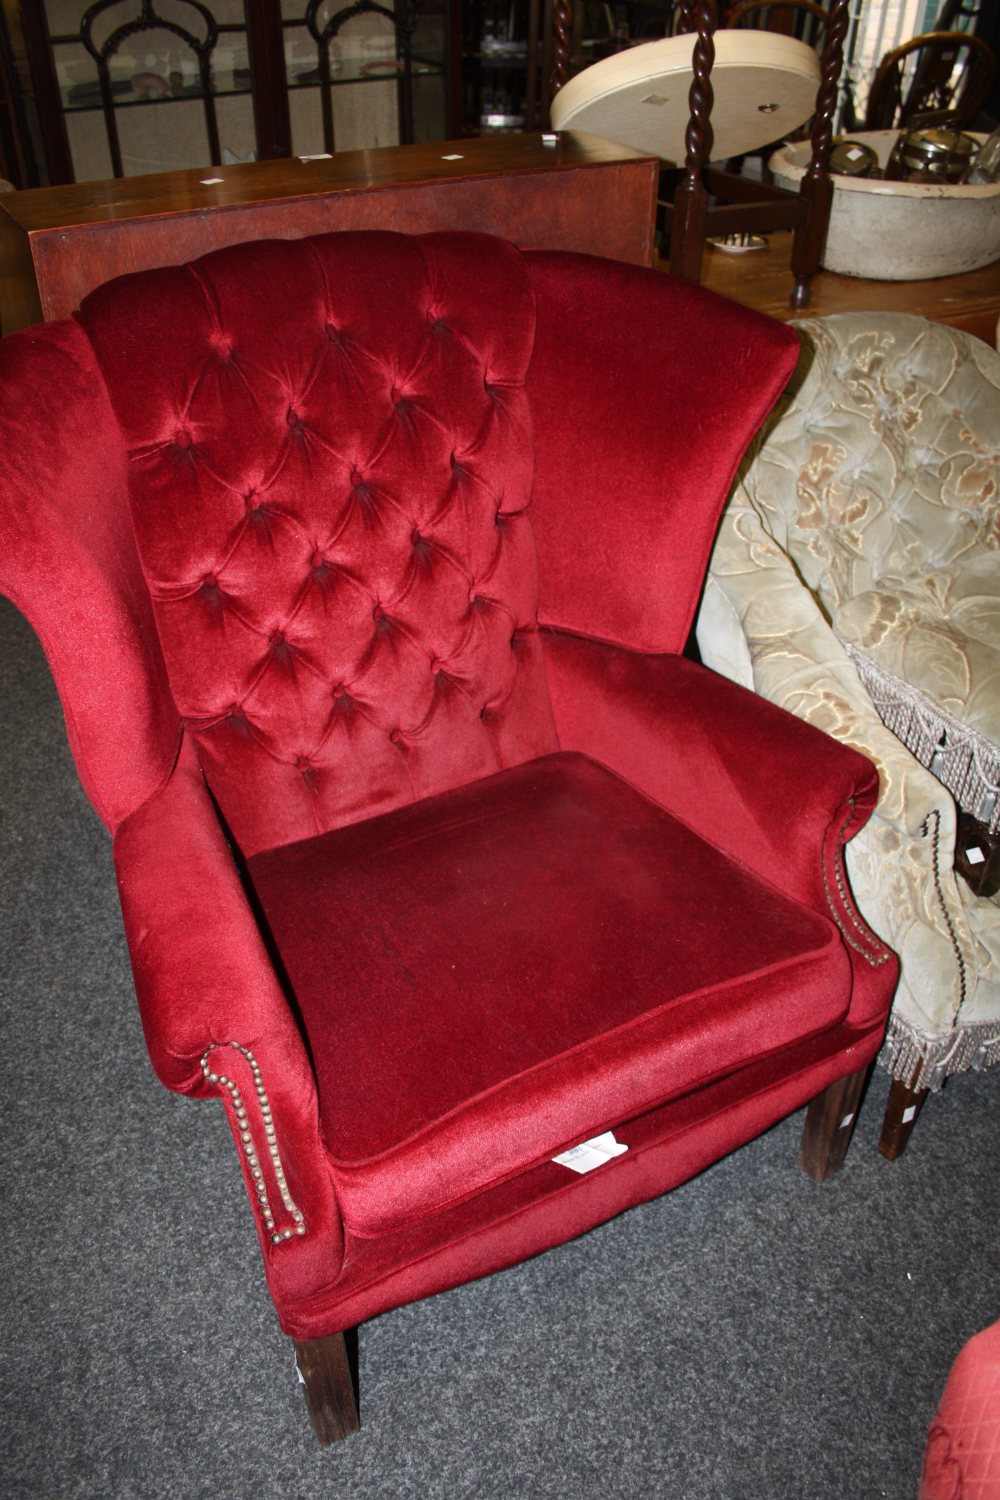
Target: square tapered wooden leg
(901, 1111)
(329, 1386)
(830, 1121)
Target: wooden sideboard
(761, 279)
(568, 192)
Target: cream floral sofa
(858, 564)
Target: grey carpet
(749, 1337)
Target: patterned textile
(962, 1460)
(862, 549)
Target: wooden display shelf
(761, 279)
(573, 192)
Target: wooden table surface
(573, 191)
(762, 279)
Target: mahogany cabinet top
(571, 191)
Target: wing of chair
(363, 564)
(858, 551)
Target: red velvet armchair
(364, 565)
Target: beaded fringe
(961, 758)
(925, 1062)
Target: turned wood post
(562, 22)
(816, 187)
(687, 229)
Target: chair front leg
(904, 1105)
(325, 1372)
(830, 1121)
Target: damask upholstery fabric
(319, 606)
(867, 530)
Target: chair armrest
(791, 656)
(216, 1019)
(759, 620)
(770, 790)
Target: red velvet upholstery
(387, 647)
(333, 526)
(531, 907)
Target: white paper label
(975, 855)
(591, 1154)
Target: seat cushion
(499, 972)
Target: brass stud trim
(277, 1236)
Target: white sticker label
(975, 855)
(591, 1154)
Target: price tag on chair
(591, 1154)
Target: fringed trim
(961, 757)
(924, 1062)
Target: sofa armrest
(217, 1022)
(770, 790)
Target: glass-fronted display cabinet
(124, 87)
(365, 77)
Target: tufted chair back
(332, 523)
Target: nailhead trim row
(934, 817)
(277, 1236)
(881, 954)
